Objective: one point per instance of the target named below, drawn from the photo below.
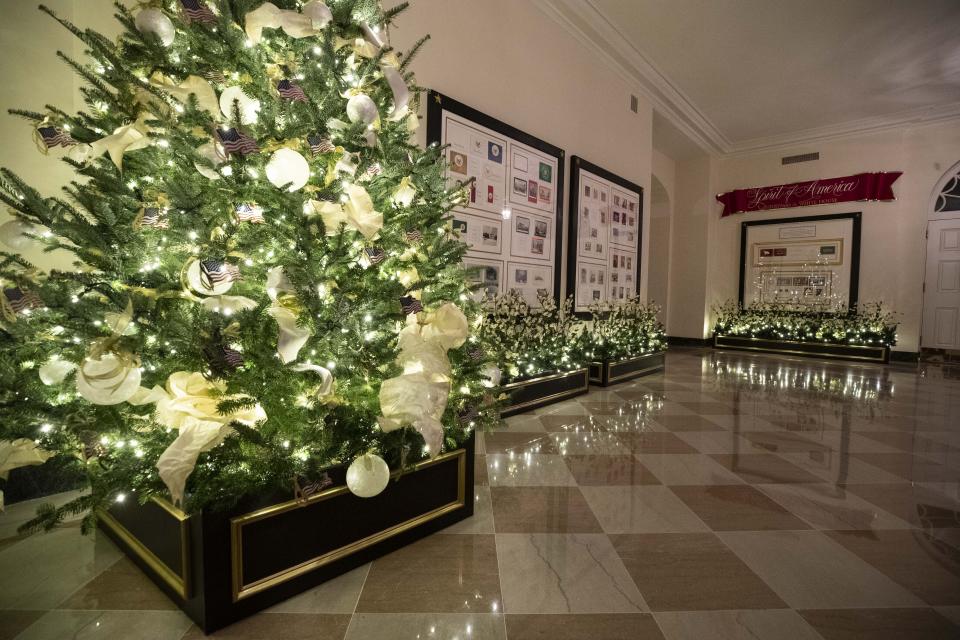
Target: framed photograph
(808, 263)
(605, 241)
(506, 167)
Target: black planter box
(610, 372)
(538, 392)
(861, 353)
(221, 567)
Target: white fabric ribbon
(311, 22)
(129, 137)
(292, 337)
(200, 87)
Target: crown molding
(591, 28)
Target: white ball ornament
(156, 22)
(362, 108)
(109, 380)
(367, 476)
(286, 166)
(203, 284)
(12, 234)
(249, 107)
(318, 12)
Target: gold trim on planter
(615, 363)
(179, 583)
(881, 359)
(243, 590)
(555, 396)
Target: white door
(941, 299)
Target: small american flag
(410, 305)
(55, 136)
(476, 353)
(469, 415)
(304, 491)
(20, 300)
(249, 212)
(155, 218)
(215, 76)
(291, 91)
(216, 271)
(237, 142)
(373, 170)
(232, 357)
(198, 11)
(319, 144)
(376, 255)
(414, 235)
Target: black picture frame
(577, 164)
(437, 103)
(855, 216)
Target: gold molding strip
(881, 359)
(553, 376)
(242, 590)
(616, 363)
(179, 583)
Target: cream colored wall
(892, 241)
(510, 61)
(33, 76)
(661, 223)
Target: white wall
(510, 61)
(662, 191)
(892, 245)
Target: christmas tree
(265, 279)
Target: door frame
(932, 216)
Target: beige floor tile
(505, 470)
(518, 443)
(911, 503)
(735, 625)
(571, 423)
(602, 470)
(687, 468)
(763, 468)
(737, 508)
(715, 441)
(542, 510)
(690, 572)
(522, 423)
(685, 423)
(828, 506)
(59, 563)
(641, 509)
(89, 625)
(600, 443)
(339, 595)
(396, 626)
(924, 565)
(120, 587)
(564, 573)
(13, 622)
(809, 570)
(655, 442)
(881, 624)
(605, 626)
(441, 573)
(831, 467)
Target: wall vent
(803, 157)
(634, 104)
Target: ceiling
(749, 74)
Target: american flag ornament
(373, 170)
(375, 255)
(232, 358)
(410, 305)
(198, 11)
(250, 212)
(20, 301)
(468, 416)
(215, 76)
(154, 218)
(213, 272)
(476, 353)
(307, 489)
(319, 144)
(52, 136)
(237, 142)
(414, 235)
(291, 91)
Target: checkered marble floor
(732, 496)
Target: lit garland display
(627, 329)
(867, 324)
(527, 341)
(266, 280)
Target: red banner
(863, 186)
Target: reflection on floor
(733, 496)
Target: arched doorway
(941, 288)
